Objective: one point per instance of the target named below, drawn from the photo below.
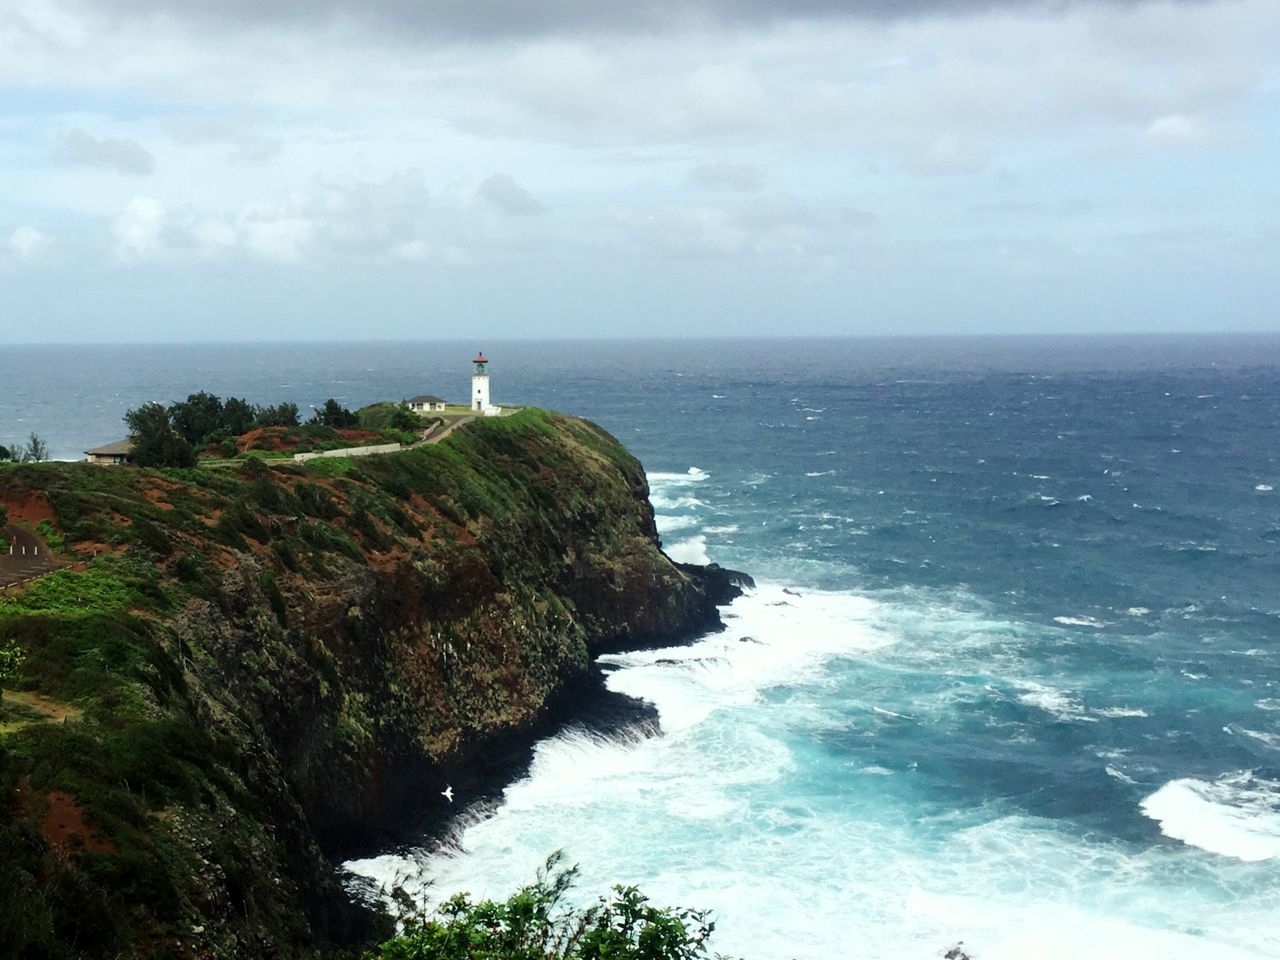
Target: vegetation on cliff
(257, 667)
(535, 923)
(206, 426)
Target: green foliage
(4, 512)
(197, 417)
(75, 594)
(6, 453)
(51, 536)
(281, 415)
(11, 657)
(205, 420)
(274, 597)
(329, 539)
(388, 416)
(536, 924)
(149, 535)
(155, 441)
(237, 416)
(334, 414)
(330, 466)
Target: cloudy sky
(321, 169)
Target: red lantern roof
(480, 358)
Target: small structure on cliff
(426, 404)
(121, 451)
(480, 388)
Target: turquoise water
(1011, 675)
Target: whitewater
(794, 789)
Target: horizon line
(727, 338)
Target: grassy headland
(261, 666)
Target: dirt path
(49, 709)
(44, 710)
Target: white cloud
(279, 232)
(343, 218)
(1175, 130)
(215, 233)
(139, 227)
(27, 243)
(346, 217)
(762, 226)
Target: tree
(6, 454)
(197, 417)
(334, 414)
(281, 415)
(237, 416)
(155, 442)
(36, 450)
(405, 419)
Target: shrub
(51, 536)
(535, 924)
(11, 657)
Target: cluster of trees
(34, 451)
(389, 416)
(204, 418)
(334, 414)
(156, 441)
(169, 436)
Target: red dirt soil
(358, 435)
(264, 438)
(64, 826)
(277, 439)
(29, 506)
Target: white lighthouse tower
(480, 388)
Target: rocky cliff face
(277, 663)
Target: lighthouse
(480, 387)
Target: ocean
(1011, 675)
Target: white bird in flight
(447, 793)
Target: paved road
(435, 437)
(30, 557)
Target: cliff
(260, 668)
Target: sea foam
(1237, 815)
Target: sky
(207, 170)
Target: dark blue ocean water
(1012, 674)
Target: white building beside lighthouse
(480, 388)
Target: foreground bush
(534, 924)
